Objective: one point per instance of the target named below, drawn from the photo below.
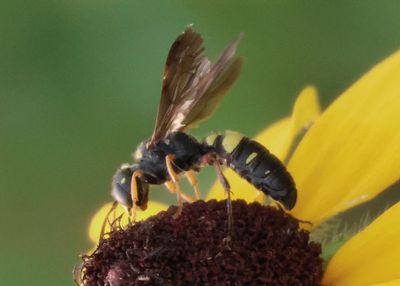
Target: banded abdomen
(256, 164)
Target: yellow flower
(349, 155)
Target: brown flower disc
(267, 248)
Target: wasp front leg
(134, 193)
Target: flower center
(267, 248)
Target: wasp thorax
(138, 154)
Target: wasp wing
(213, 87)
(184, 65)
(192, 86)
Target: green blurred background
(80, 84)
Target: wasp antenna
(103, 227)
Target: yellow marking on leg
(134, 194)
(175, 179)
(171, 187)
(191, 176)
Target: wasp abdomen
(256, 164)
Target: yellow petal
(371, 256)
(240, 188)
(91, 250)
(389, 283)
(278, 138)
(97, 220)
(352, 152)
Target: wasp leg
(134, 194)
(190, 175)
(171, 187)
(175, 180)
(225, 184)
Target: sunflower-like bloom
(349, 154)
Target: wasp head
(121, 187)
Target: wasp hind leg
(175, 180)
(225, 184)
(134, 194)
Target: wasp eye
(121, 186)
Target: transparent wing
(192, 86)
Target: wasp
(191, 90)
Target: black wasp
(191, 90)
